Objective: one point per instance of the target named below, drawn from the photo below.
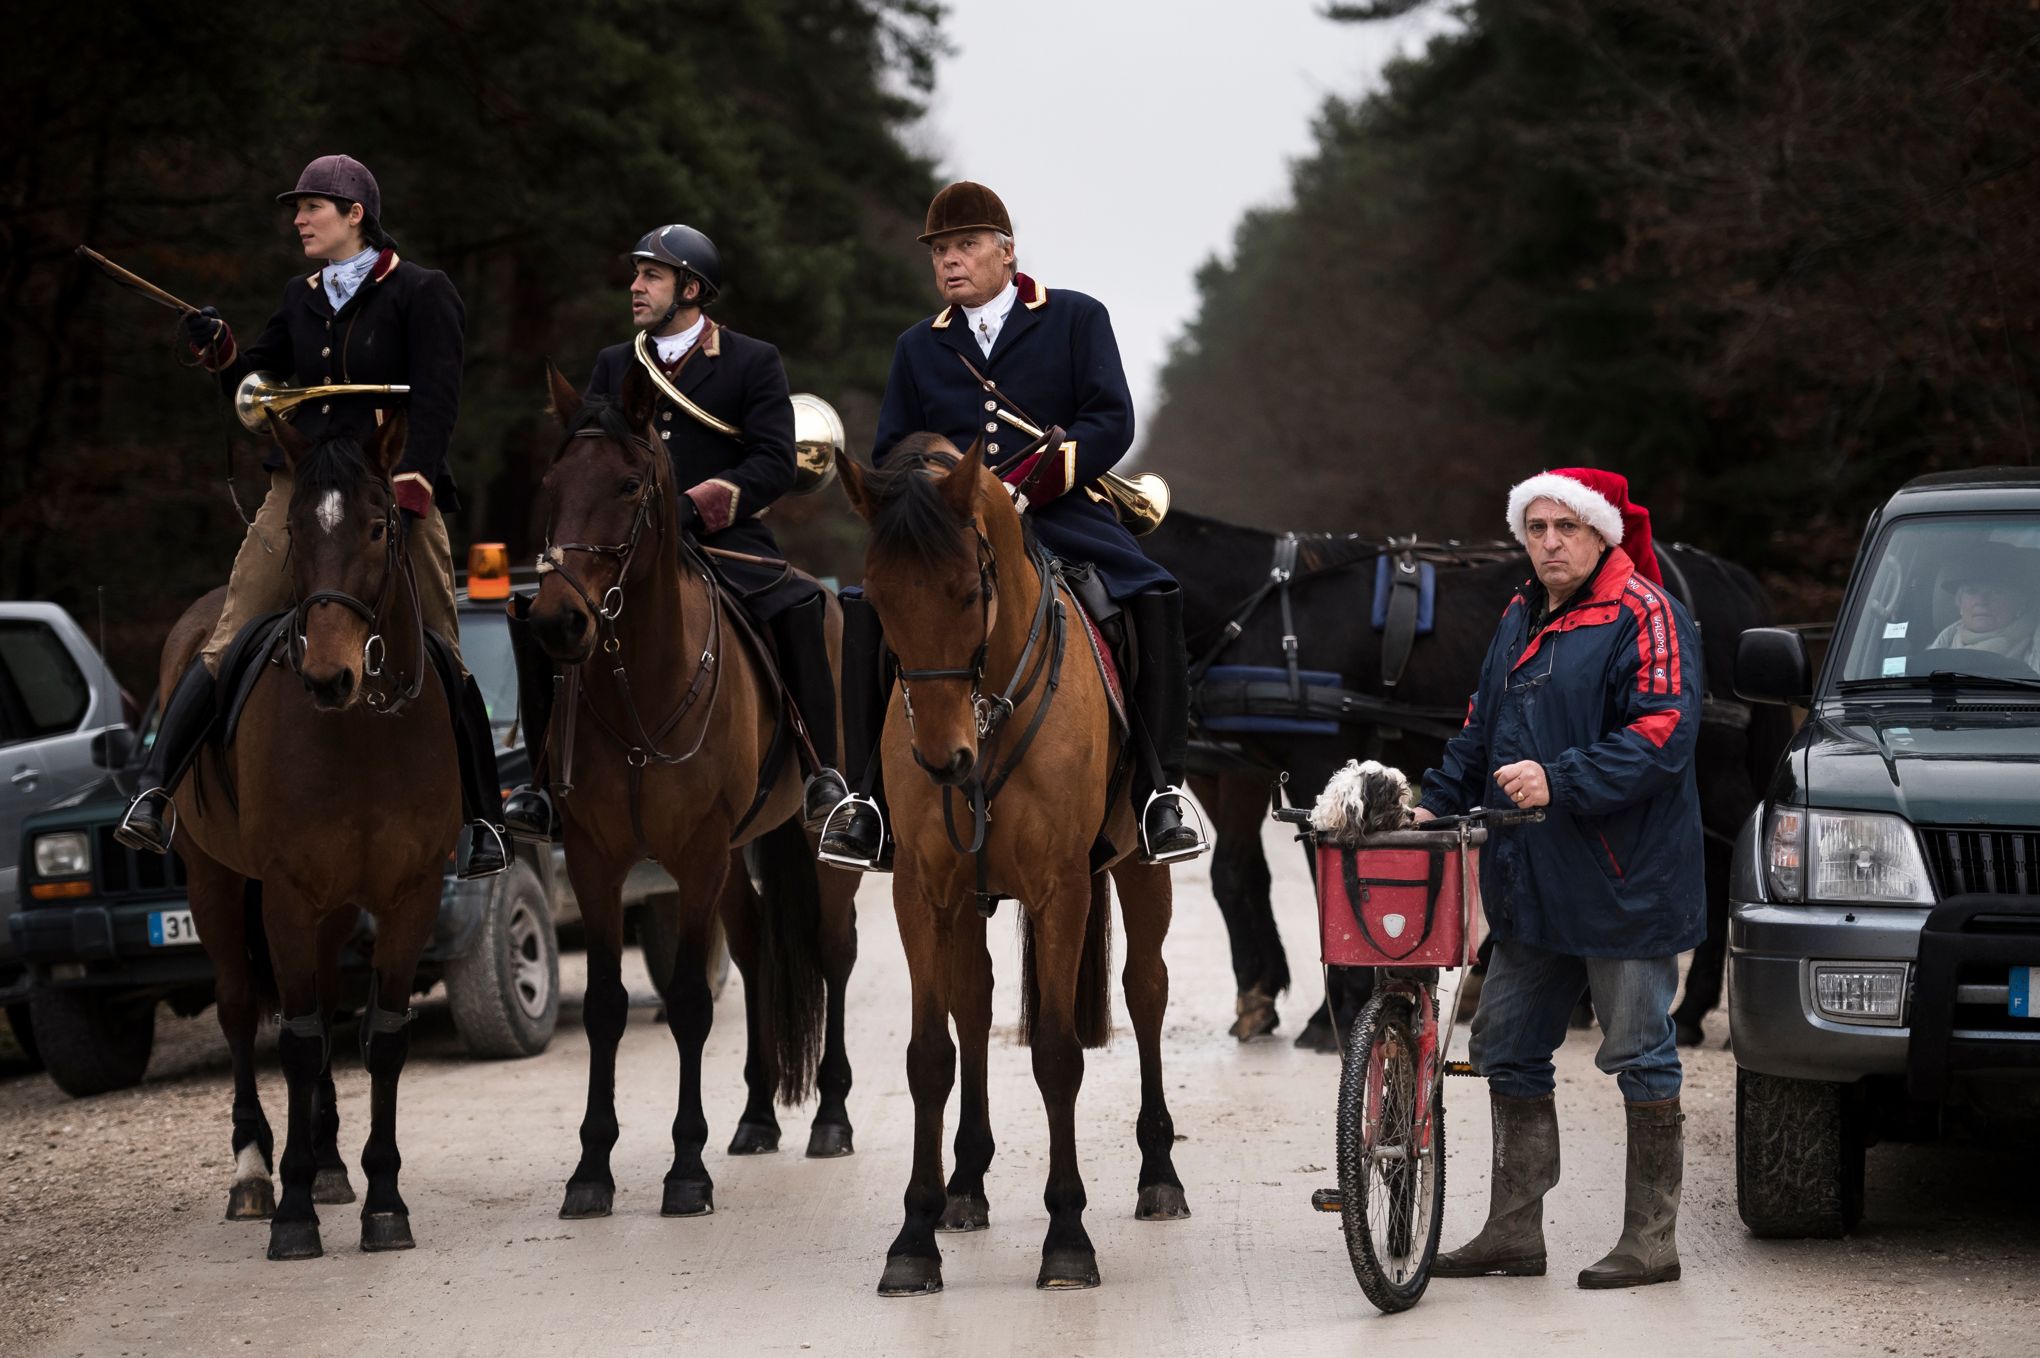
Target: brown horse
(338, 793)
(658, 746)
(989, 709)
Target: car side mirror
(113, 747)
(1771, 666)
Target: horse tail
(1094, 972)
(792, 1000)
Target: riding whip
(134, 282)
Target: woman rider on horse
(363, 316)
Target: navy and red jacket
(1606, 696)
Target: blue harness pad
(1427, 593)
(1270, 724)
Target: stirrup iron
(845, 860)
(131, 838)
(1182, 798)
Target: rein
(640, 743)
(1038, 664)
(374, 651)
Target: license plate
(2025, 985)
(168, 928)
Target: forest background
(1768, 257)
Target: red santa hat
(1601, 499)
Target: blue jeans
(1527, 1001)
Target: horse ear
(566, 402)
(288, 437)
(638, 396)
(856, 485)
(960, 486)
(386, 446)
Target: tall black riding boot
(187, 719)
(1161, 702)
(528, 811)
(803, 638)
(481, 796)
(855, 834)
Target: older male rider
(1589, 707)
(727, 481)
(362, 316)
(1003, 344)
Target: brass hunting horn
(1141, 500)
(262, 392)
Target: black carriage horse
(1310, 650)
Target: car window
(1956, 594)
(485, 649)
(47, 690)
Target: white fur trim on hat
(1596, 510)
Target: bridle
(640, 742)
(374, 651)
(1039, 663)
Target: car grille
(1997, 862)
(126, 873)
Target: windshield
(485, 650)
(1955, 596)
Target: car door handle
(25, 777)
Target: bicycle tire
(1392, 1273)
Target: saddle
(1100, 611)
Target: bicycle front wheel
(1391, 1181)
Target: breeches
(261, 582)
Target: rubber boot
(481, 796)
(187, 719)
(1161, 702)
(803, 638)
(1648, 1251)
(854, 835)
(1525, 1168)
(528, 811)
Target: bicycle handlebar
(1300, 815)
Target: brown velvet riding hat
(966, 206)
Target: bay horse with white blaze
(1020, 744)
(666, 721)
(338, 791)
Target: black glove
(690, 515)
(201, 329)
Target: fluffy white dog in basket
(1362, 799)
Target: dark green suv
(1884, 942)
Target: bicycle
(1390, 1119)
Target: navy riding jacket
(1606, 696)
(1055, 362)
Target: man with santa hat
(1589, 707)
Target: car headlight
(1846, 856)
(67, 853)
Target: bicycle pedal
(1460, 1068)
(1328, 1200)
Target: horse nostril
(959, 764)
(577, 623)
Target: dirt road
(111, 1239)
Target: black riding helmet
(685, 249)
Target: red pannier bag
(1399, 907)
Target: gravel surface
(111, 1239)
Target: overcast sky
(1127, 137)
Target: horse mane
(336, 463)
(604, 414)
(909, 515)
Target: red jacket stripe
(1657, 728)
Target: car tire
(21, 1033)
(1799, 1153)
(505, 991)
(657, 937)
(90, 1042)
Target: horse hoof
(910, 1275)
(294, 1240)
(251, 1200)
(829, 1140)
(966, 1212)
(586, 1200)
(330, 1185)
(1317, 1037)
(755, 1138)
(386, 1231)
(1068, 1270)
(1255, 1023)
(1161, 1202)
(688, 1198)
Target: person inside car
(1994, 599)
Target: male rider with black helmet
(731, 442)
(363, 316)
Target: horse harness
(1039, 663)
(380, 697)
(641, 744)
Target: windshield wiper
(1939, 681)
